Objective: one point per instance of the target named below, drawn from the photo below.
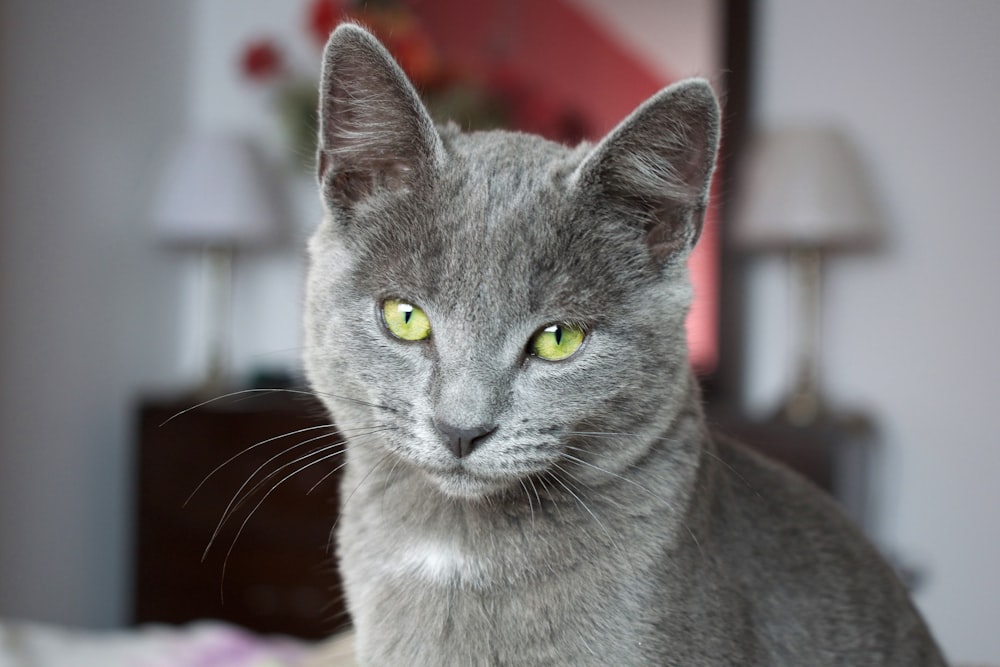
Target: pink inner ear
(393, 176)
(665, 238)
(352, 184)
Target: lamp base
(802, 408)
(805, 405)
(219, 264)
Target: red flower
(262, 60)
(324, 15)
(416, 56)
(403, 35)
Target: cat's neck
(542, 529)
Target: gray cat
(496, 323)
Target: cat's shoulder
(763, 502)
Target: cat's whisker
(694, 537)
(356, 401)
(338, 433)
(730, 469)
(251, 448)
(580, 461)
(250, 393)
(531, 507)
(343, 506)
(687, 528)
(550, 491)
(347, 445)
(615, 434)
(565, 484)
(240, 498)
(326, 476)
(307, 390)
(235, 504)
(531, 480)
(229, 395)
(343, 444)
(706, 451)
(615, 544)
(246, 520)
(388, 482)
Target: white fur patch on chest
(440, 563)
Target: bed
(200, 644)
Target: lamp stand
(805, 405)
(219, 269)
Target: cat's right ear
(374, 133)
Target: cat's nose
(461, 441)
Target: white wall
(90, 93)
(911, 333)
(268, 290)
(93, 312)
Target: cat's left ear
(656, 166)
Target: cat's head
(490, 307)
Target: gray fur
(600, 524)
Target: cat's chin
(464, 485)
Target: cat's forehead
(517, 151)
(489, 175)
(503, 229)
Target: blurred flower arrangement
(449, 94)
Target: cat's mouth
(461, 482)
(492, 469)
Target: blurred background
(108, 297)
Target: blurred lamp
(214, 196)
(804, 192)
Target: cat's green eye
(404, 320)
(557, 341)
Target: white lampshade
(805, 187)
(214, 192)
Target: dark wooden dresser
(280, 575)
